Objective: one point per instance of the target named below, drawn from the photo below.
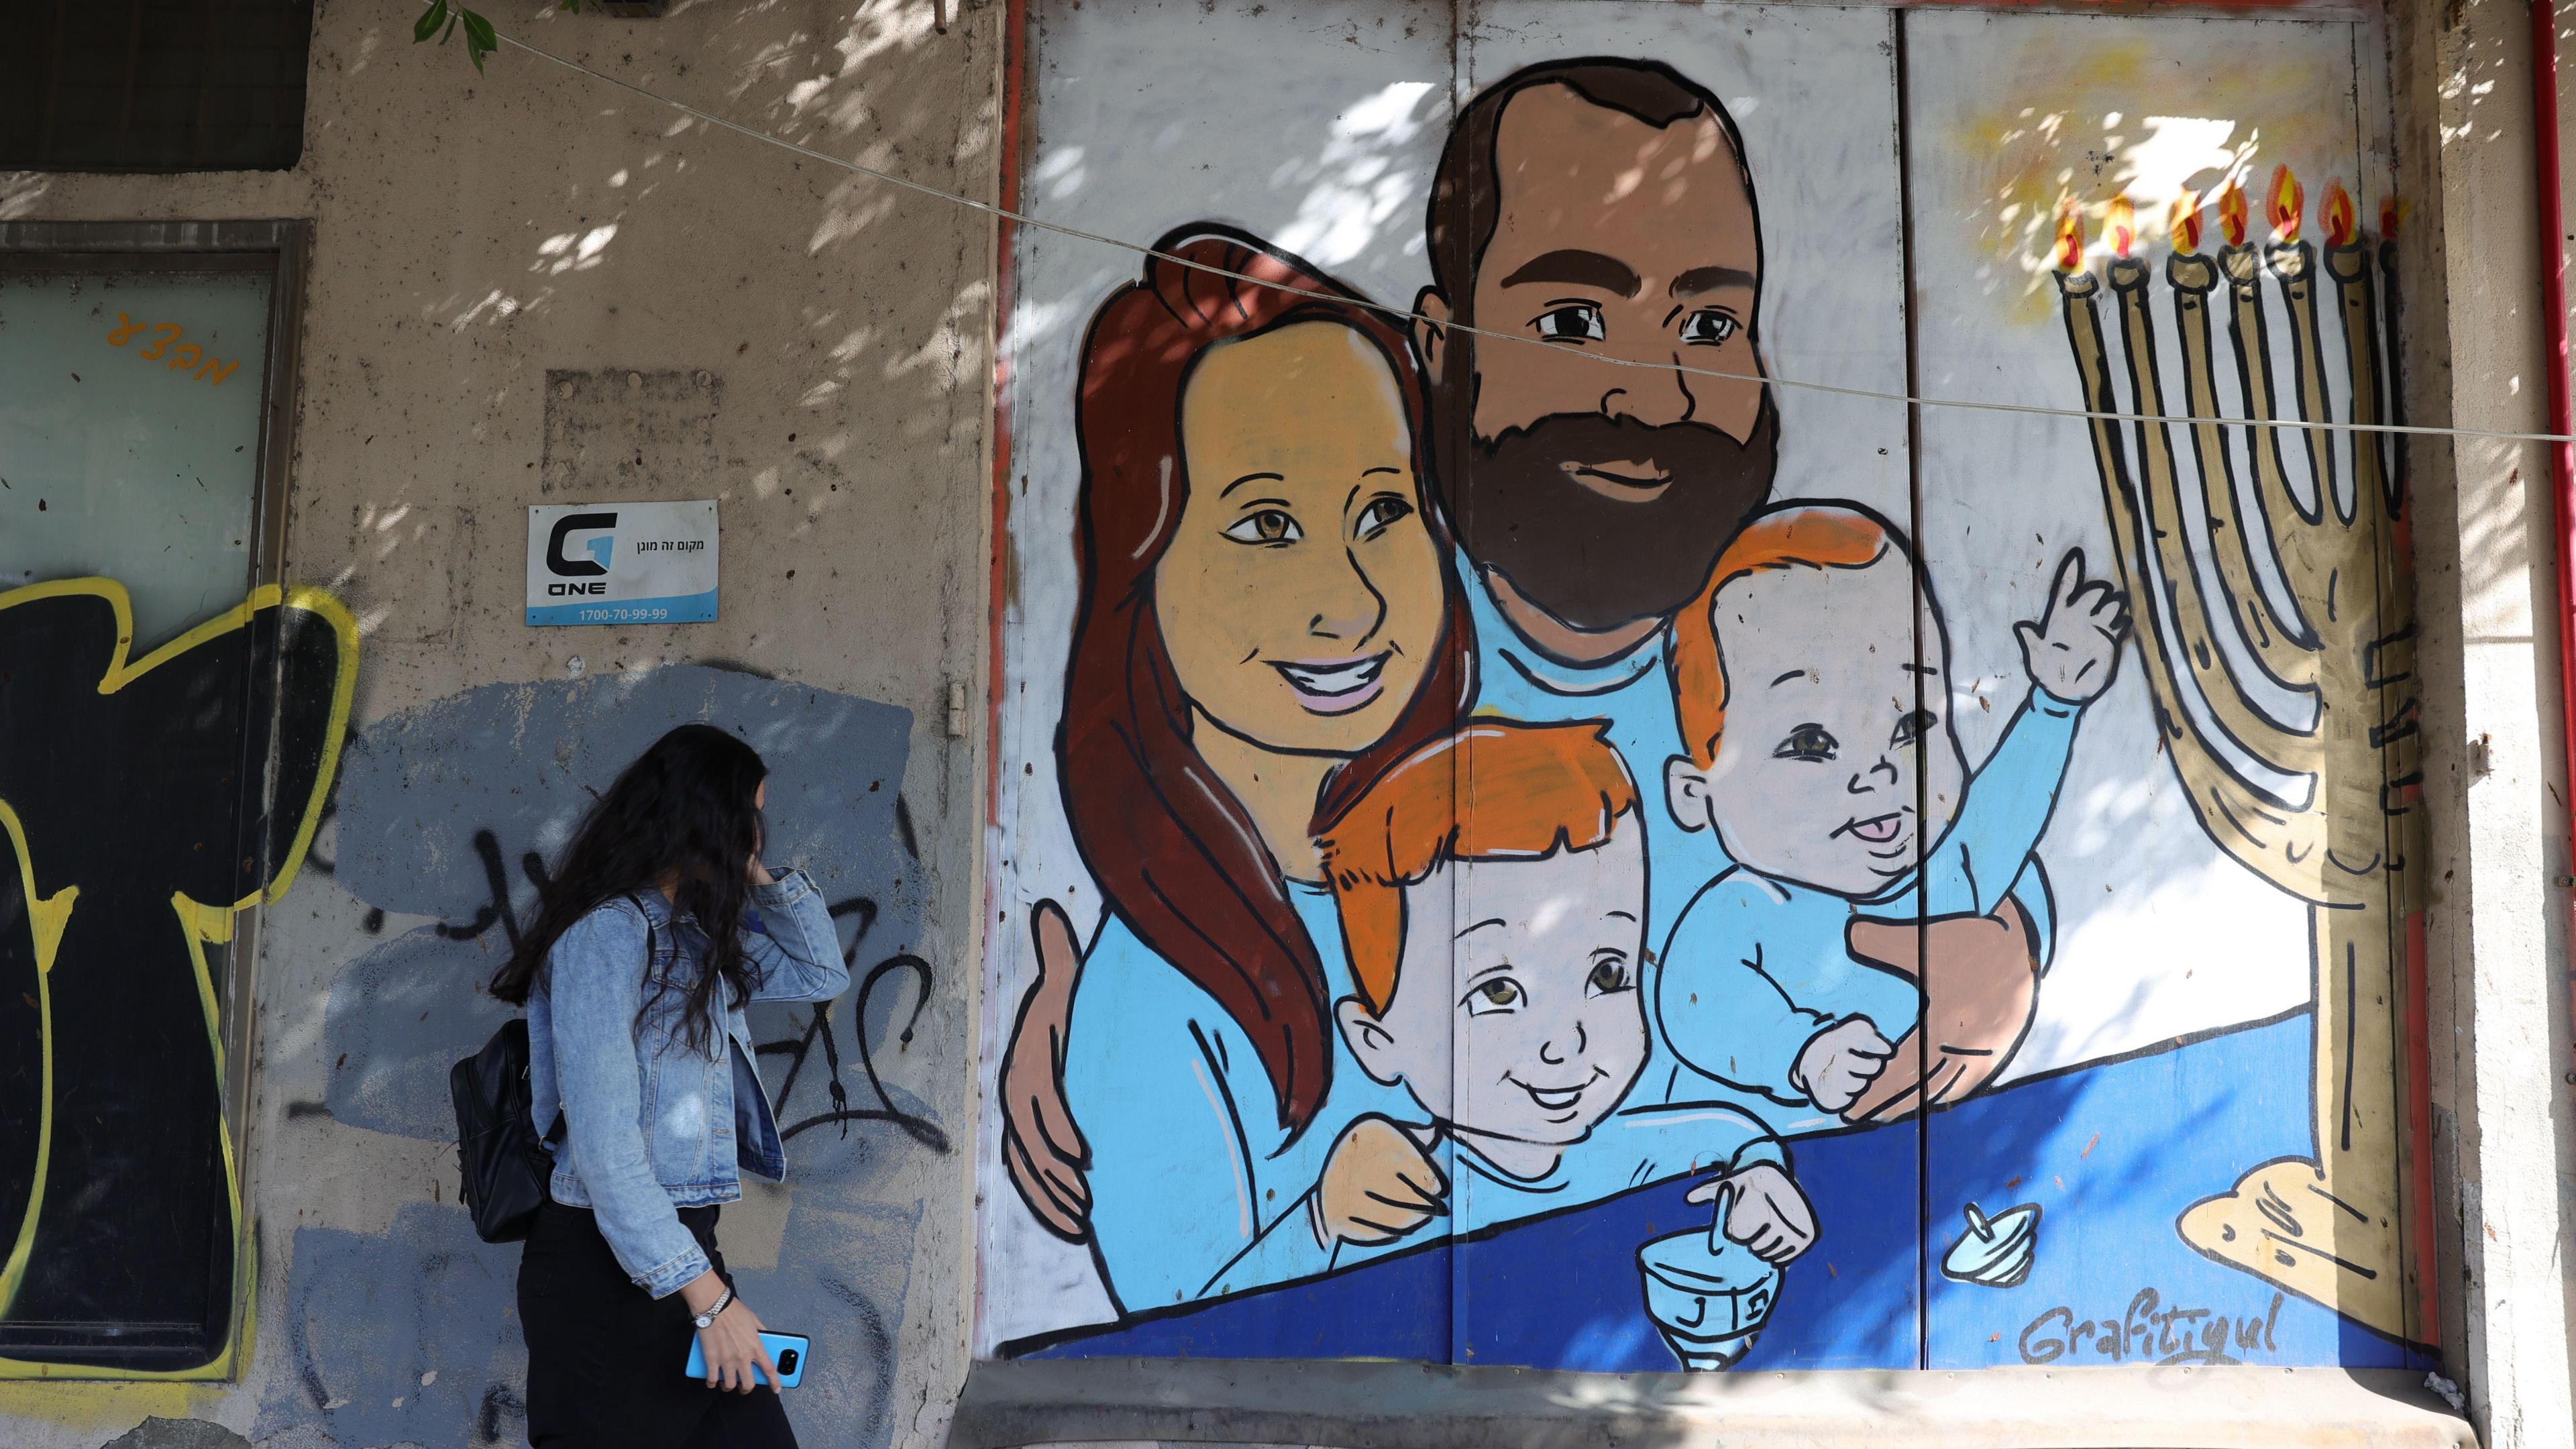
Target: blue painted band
(676, 609)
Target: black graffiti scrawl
(145, 801)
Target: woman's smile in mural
(1329, 686)
(1302, 593)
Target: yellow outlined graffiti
(201, 922)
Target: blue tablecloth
(2112, 1153)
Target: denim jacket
(652, 1125)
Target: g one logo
(599, 548)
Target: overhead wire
(1403, 315)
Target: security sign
(622, 563)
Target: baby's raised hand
(1764, 1211)
(2072, 650)
(1839, 1061)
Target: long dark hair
(684, 806)
(1175, 853)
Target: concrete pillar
(2504, 1156)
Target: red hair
(1805, 536)
(1496, 790)
(1176, 854)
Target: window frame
(278, 249)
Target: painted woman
(1268, 618)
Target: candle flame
(2231, 214)
(2391, 212)
(2121, 224)
(2337, 213)
(2185, 222)
(2070, 238)
(2288, 201)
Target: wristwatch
(708, 1318)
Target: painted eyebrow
(1250, 478)
(1699, 280)
(1381, 468)
(1579, 267)
(1618, 916)
(1480, 925)
(1785, 678)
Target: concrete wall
(531, 287)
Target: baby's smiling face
(1516, 1019)
(1817, 773)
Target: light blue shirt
(1629, 1148)
(1757, 966)
(1189, 1162)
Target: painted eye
(1383, 512)
(1708, 327)
(1270, 525)
(1609, 976)
(1571, 322)
(1911, 729)
(1810, 742)
(1489, 998)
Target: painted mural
(1530, 835)
(147, 803)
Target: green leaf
(479, 39)
(572, 5)
(450, 33)
(429, 21)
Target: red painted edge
(1005, 237)
(2553, 297)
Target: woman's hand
(731, 1345)
(1377, 1185)
(758, 873)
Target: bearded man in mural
(1589, 501)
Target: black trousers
(605, 1357)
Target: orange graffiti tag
(165, 344)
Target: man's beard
(1590, 561)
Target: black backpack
(502, 1163)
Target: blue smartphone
(787, 1350)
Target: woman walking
(658, 925)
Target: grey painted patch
(842, 1278)
(178, 1434)
(369, 1319)
(395, 1022)
(520, 761)
(438, 810)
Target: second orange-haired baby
(1491, 889)
(1812, 686)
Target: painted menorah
(2327, 1226)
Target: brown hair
(1175, 853)
(1467, 205)
(1813, 536)
(1496, 790)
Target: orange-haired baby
(1822, 754)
